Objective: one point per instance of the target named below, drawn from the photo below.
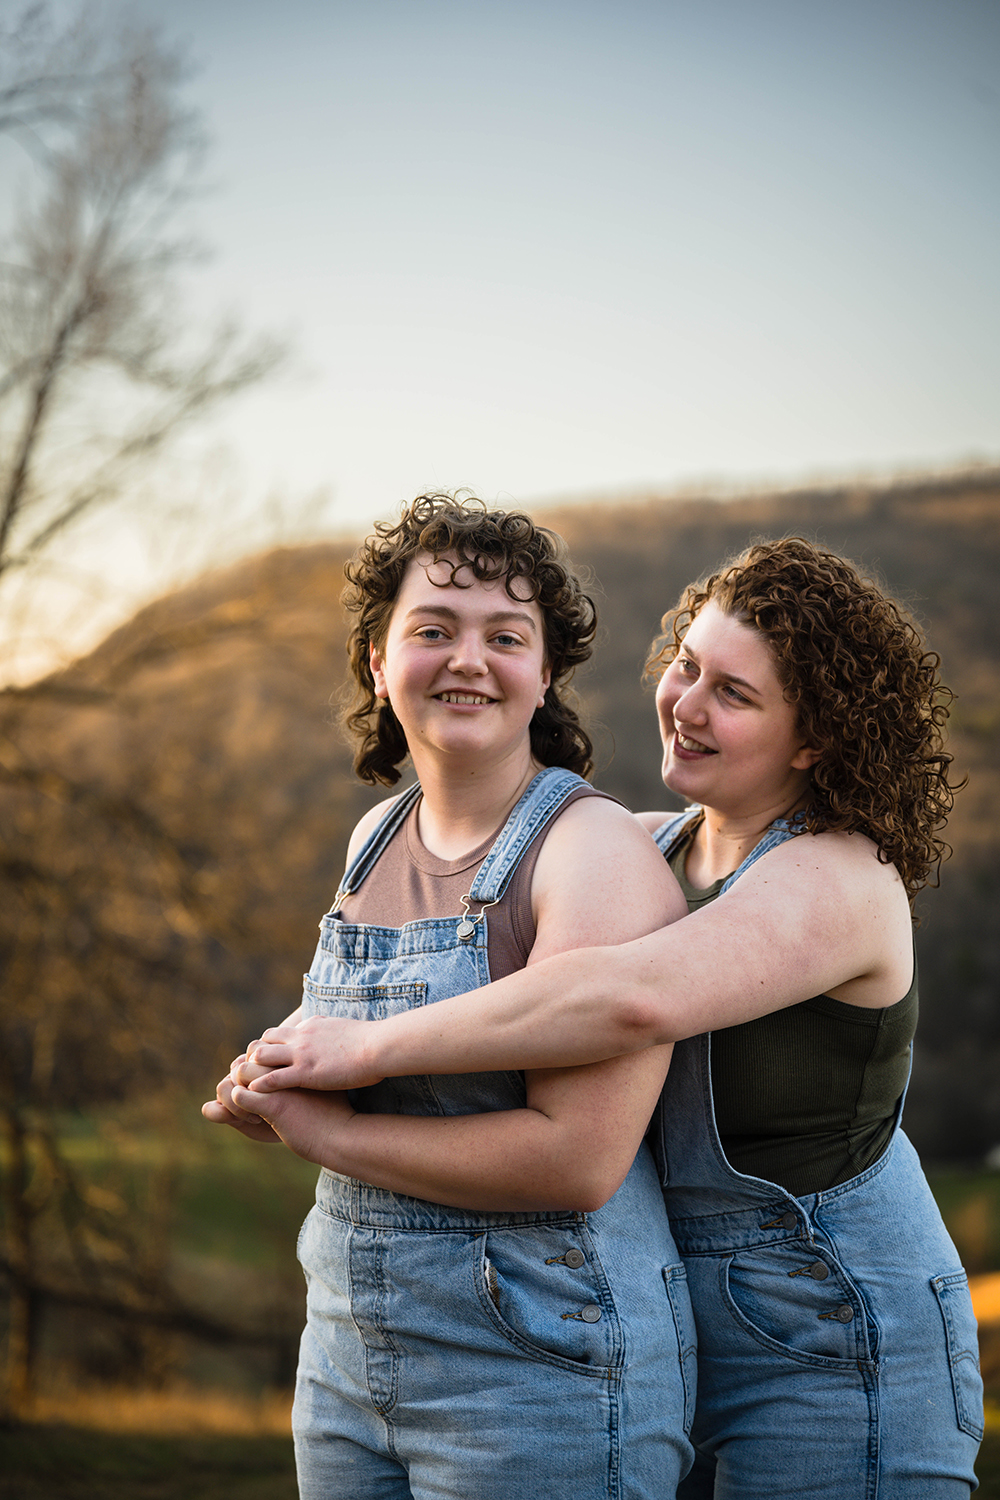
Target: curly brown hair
(867, 692)
(492, 544)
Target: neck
(722, 841)
(462, 807)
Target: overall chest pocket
(375, 1002)
(361, 1002)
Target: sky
(557, 249)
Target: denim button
(591, 1313)
(574, 1258)
(789, 1220)
(819, 1271)
(844, 1313)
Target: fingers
(248, 1070)
(262, 1058)
(248, 1103)
(225, 1101)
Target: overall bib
(837, 1343)
(469, 1355)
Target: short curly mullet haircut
(491, 544)
(867, 692)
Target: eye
(504, 638)
(431, 633)
(733, 694)
(687, 666)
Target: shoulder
(837, 875)
(366, 826)
(596, 844)
(592, 812)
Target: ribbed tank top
(807, 1096)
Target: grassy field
(66, 1463)
(215, 1431)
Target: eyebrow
(496, 617)
(729, 676)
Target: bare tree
(96, 374)
(104, 931)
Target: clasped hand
(287, 1086)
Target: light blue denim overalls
(471, 1355)
(837, 1342)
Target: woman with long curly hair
(495, 1304)
(802, 721)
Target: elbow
(587, 1191)
(644, 1020)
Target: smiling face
(731, 739)
(463, 667)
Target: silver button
(574, 1258)
(591, 1313)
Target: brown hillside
(182, 793)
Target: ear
(375, 662)
(805, 758)
(546, 679)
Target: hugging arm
(573, 1143)
(811, 917)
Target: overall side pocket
(960, 1331)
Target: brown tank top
(409, 884)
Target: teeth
(687, 744)
(463, 698)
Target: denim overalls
(472, 1355)
(837, 1343)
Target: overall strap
(546, 793)
(669, 834)
(779, 832)
(370, 851)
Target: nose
(468, 655)
(689, 706)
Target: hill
(175, 806)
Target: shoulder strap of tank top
(544, 796)
(367, 856)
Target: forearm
(517, 1160)
(573, 1008)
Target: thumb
(268, 1106)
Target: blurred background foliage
(174, 810)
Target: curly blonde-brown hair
(866, 689)
(491, 544)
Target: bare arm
(819, 915)
(598, 875)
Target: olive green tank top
(807, 1096)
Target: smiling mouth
(462, 698)
(693, 746)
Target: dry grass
(175, 1411)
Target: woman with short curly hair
(487, 545)
(802, 722)
(495, 1304)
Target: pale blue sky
(551, 247)
(555, 249)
